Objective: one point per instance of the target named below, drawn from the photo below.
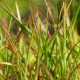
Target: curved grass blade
(9, 64)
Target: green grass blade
(37, 65)
(52, 38)
(64, 47)
(72, 50)
(9, 24)
(27, 59)
(74, 19)
(23, 28)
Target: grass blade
(27, 59)
(9, 40)
(9, 64)
(37, 65)
(74, 19)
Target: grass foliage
(33, 54)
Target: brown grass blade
(11, 45)
(19, 35)
(45, 17)
(62, 7)
(4, 46)
(50, 12)
(32, 15)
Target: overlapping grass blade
(74, 70)
(72, 50)
(27, 58)
(32, 14)
(37, 65)
(53, 38)
(23, 28)
(46, 17)
(50, 12)
(3, 47)
(9, 40)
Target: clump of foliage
(35, 55)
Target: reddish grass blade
(11, 45)
(62, 6)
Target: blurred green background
(24, 8)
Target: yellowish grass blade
(9, 64)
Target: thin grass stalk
(56, 60)
(46, 42)
(27, 57)
(37, 66)
(9, 24)
(50, 12)
(8, 29)
(60, 50)
(32, 15)
(2, 37)
(47, 70)
(64, 47)
(21, 47)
